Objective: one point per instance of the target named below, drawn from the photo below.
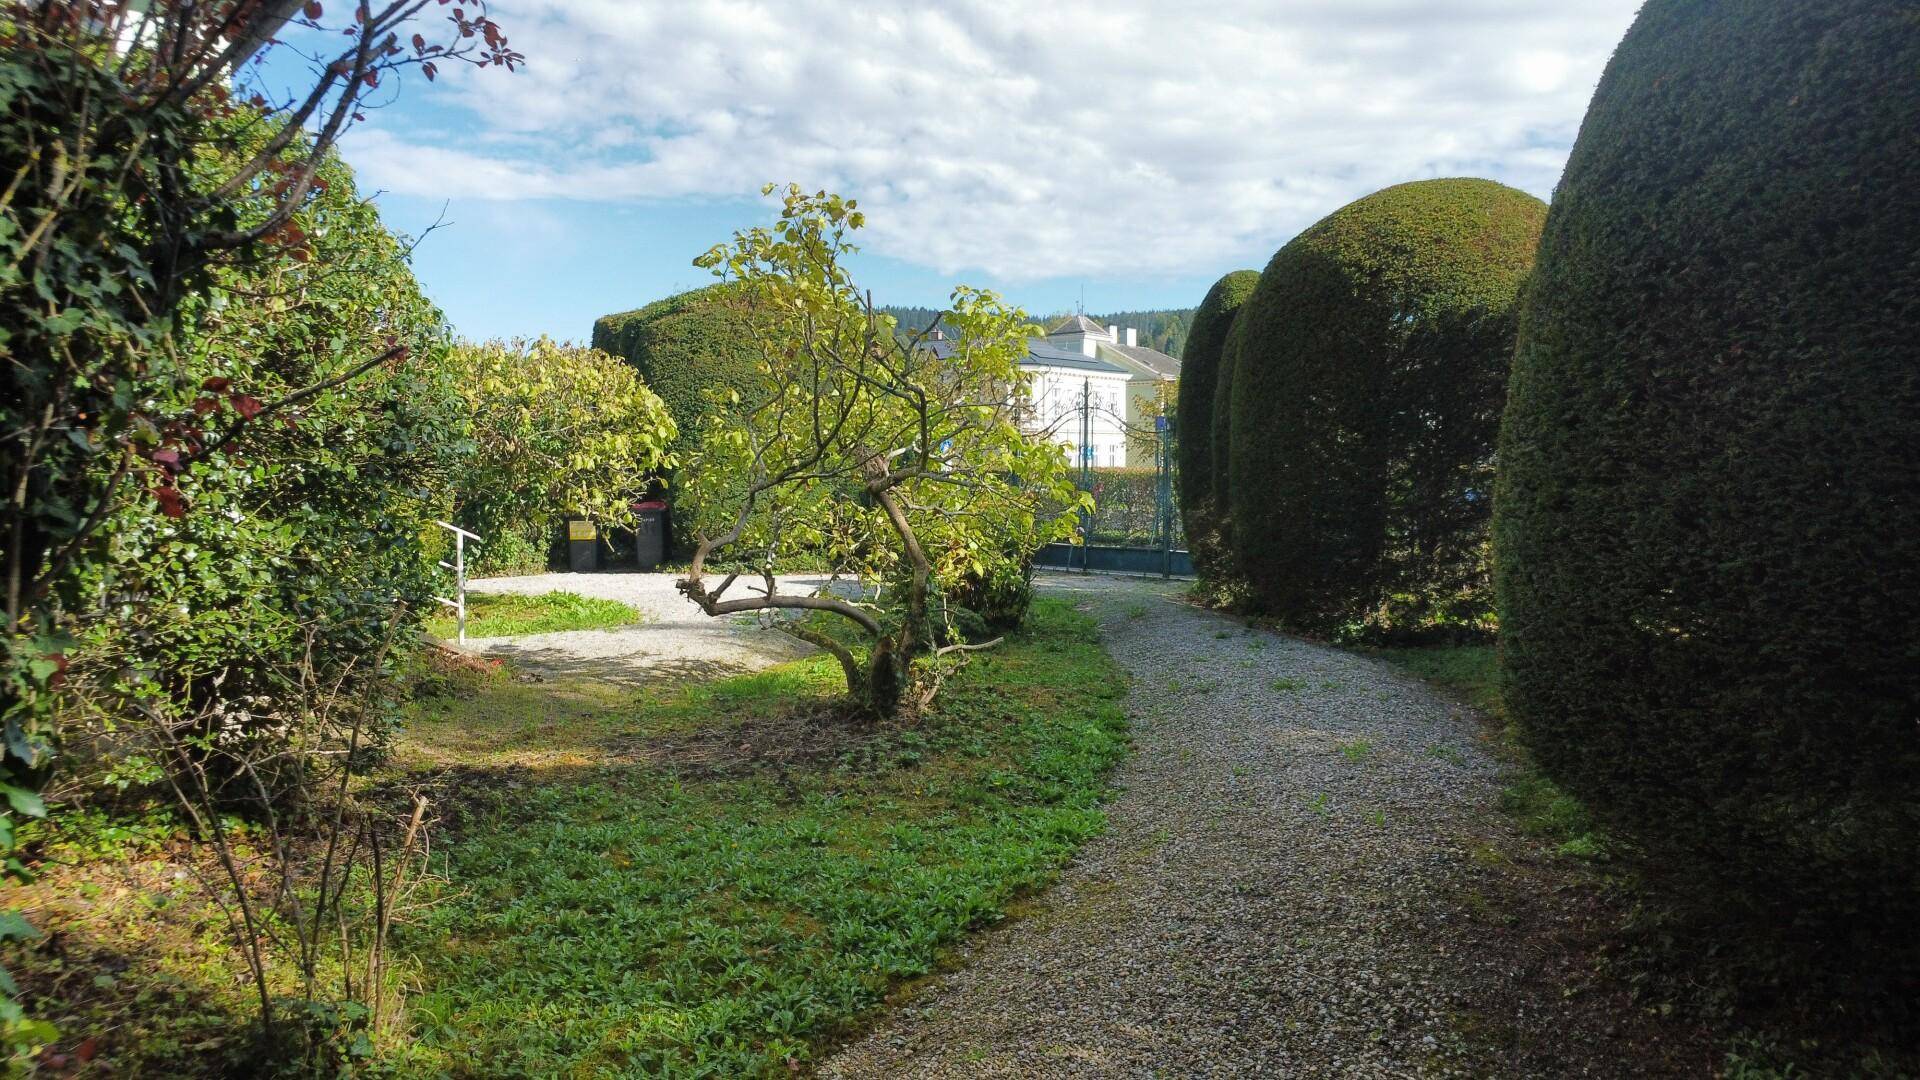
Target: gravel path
(675, 641)
(1287, 888)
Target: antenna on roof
(1081, 307)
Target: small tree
(897, 458)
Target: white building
(1148, 376)
(1062, 379)
(1077, 361)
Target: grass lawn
(733, 881)
(710, 880)
(509, 614)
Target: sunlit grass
(510, 615)
(635, 918)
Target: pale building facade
(1151, 377)
(1061, 380)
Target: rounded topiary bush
(685, 346)
(1368, 372)
(1708, 525)
(1219, 445)
(1193, 423)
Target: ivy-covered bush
(1369, 373)
(1194, 421)
(298, 552)
(555, 431)
(1708, 520)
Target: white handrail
(459, 568)
(475, 537)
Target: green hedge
(1220, 444)
(1368, 376)
(684, 346)
(1709, 512)
(1126, 500)
(1194, 420)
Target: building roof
(1077, 324)
(1156, 363)
(1041, 354)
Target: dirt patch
(813, 736)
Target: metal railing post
(459, 568)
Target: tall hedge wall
(1368, 377)
(684, 346)
(1199, 370)
(1221, 442)
(1708, 531)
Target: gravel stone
(1276, 894)
(676, 640)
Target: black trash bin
(649, 534)
(583, 546)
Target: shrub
(1199, 375)
(556, 430)
(1125, 504)
(999, 595)
(297, 545)
(1707, 527)
(1368, 376)
(1220, 442)
(685, 347)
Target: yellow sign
(581, 530)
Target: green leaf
(24, 801)
(15, 927)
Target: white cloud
(1030, 140)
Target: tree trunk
(886, 681)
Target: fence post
(1086, 470)
(1163, 492)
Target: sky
(1116, 154)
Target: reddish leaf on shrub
(247, 406)
(171, 502)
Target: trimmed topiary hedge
(1368, 376)
(1708, 526)
(1194, 426)
(684, 346)
(1220, 443)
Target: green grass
(721, 919)
(630, 882)
(1529, 796)
(509, 615)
